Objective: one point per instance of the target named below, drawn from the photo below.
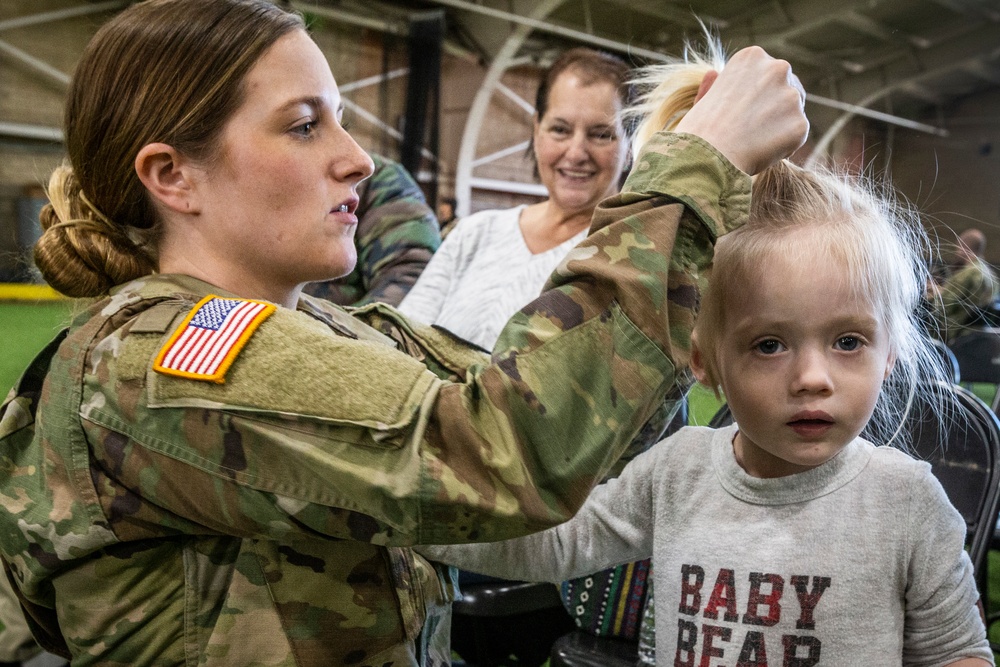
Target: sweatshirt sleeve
(943, 621)
(426, 298)
(611, 528)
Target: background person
(969, 291)
(446, 215)
(227, 471)
(397, 234)
(496, 261)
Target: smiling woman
(209, 467)
(495, 262)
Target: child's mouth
(810, 428)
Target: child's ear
(890, 364)
(698, 362)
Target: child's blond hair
(881, 244)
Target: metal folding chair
(978, 355)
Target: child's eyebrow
(863, 322)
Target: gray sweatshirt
(857, 562)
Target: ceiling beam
(61, 79)
(553, 28)
(685, 18)
(797, 17)
(62, 14)
(974, 49)
(857, 110)
(26, 131)
(980, 70)
(872, 28)
(971, 8)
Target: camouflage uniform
(156, 520)
(16, 642)
(970, 289)
(397, 234)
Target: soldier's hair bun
(82, 253)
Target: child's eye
(769, 346)
(848, 343)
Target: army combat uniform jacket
(266, 519)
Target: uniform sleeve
(943, 622)
(424, 302)
(398, 234)
(612, 527)
(338, 437)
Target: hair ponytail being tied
(669, 89)
(81, 253)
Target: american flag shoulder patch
(211, 337)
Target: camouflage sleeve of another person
(963, 294)
(328, 435)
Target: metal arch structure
(465, 181)
(504, 59)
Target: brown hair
(592, 67)
(168, 71)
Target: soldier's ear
(169, 177)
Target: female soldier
(219, 470)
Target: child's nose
(812, 373)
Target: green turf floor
(25, 328)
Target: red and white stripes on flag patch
(211, 337)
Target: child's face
(801, 364)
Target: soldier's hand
(753, 112)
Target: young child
(786, 539)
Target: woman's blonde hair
(880, 242)
(168, 71)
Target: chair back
(967, 462)
(978, 354)
(723, 417)
(949, 362)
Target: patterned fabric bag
(609, 603)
